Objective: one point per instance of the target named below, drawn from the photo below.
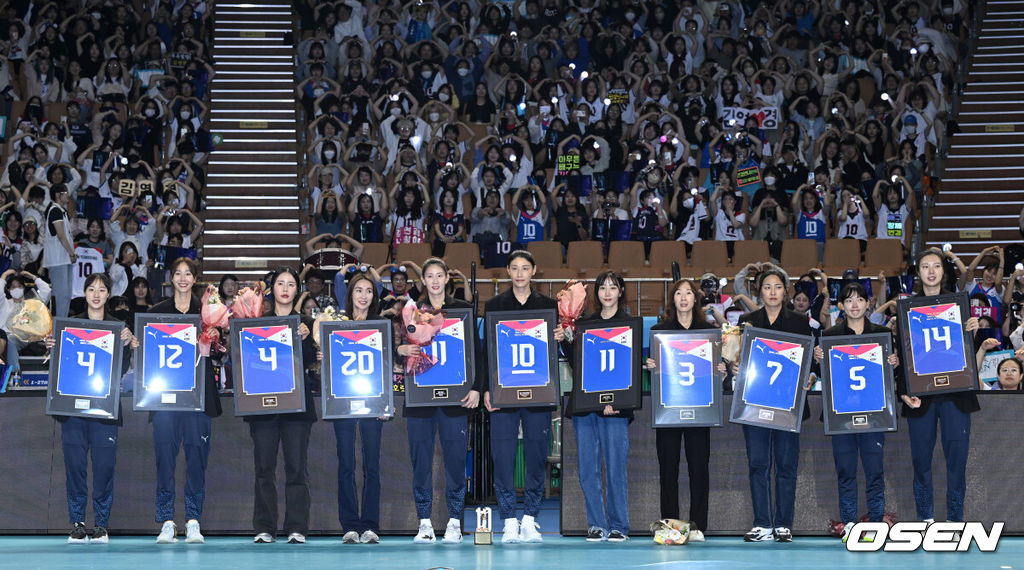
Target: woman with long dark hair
(924, 413)
(604, 434)
(285, 433)
(360, 524)
(449, 422)
(768, 447)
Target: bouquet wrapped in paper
(671, 532)
(571, 301)
(214, 317)
(31, 322)
(327, 315)
(732, 342)
(419, 327)
(248, 302)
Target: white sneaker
(695, 536)
(192, 533)
(511, 532)
(168, 533)
(351, 537)
(529, 530)
(426, 533)
(453, 532)
(296, 538)
(369, 537)
(264, 538)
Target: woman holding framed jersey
(83, 439)
(535, 421)
(684, 311)
(853, 300)
(768, 447)
(604, 434)
(451, 423)
(950, 412)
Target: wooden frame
(85, 369)
(357, 371)
(933, 359)
(267, 366)
(869, 403)
(170, 374)
(525, 378)
(772, 396)
(614, 347)
(677, 403)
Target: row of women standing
(599, 434)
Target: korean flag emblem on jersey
(857, 380)
(773, 374)
(449, 349)
(687, 374)
(170, 358)
(86, 358)
(937, 339)
(267, 360)
(522, 353)
(356, 367)
(607, 359)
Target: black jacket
(166, 307)
(480, 374)
(788, 321)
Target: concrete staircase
(252, 208)
(983, 186)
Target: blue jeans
(870, 447)
(764, 448)
(454, 434)
(596, 436)
(536, 443)
(171, 432)
(13, 347)
(955, 431)
(60, 280)
(80, 438)
(349, 514)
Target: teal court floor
(399, 553)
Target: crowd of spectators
(104, 148)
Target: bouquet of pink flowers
(571, 300)
(419, 327)
(248, 302)
(214, 317)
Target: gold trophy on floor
(483, 533)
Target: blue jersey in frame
(267, 360)
(522, 348)
(449, 348)
(937, 339)
(607, 359)
(772, 377)
(857, 379)
(86, 360)
(169, 363)
(687, 374)
(356, 364)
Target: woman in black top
(853, 300)
(85, 438)
(360, 525)
(685, 312)
(287, 432)
(189, 430)
(480, 108)
(771, 446)
(604, 434)
(449, 422)
(924, 413)
(535, 421)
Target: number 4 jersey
(267, 360)
(86, 358)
